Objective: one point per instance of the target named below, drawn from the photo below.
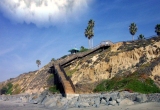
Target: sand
(8, 105)
(142, 106)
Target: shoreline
(9, 105)
(101, 101)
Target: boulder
(113, 96)
(59, 104)
(118, 100)
(96, 102)
(91, 102)
(121, 95)
(113, 102)
(84, 104)
(126, 102)
(141, 98)
(103, 101)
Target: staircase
(64, 79)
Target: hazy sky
(46, 29)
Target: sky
(33, 30)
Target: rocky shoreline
(57, 101)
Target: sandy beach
(142, 106)
(8, 105)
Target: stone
(24, 99)
(126, 102)
(59, 104)
(118, 100)
(97, 102)
(84, 104)
(113, 102)
(113, 96)
(121, 95)
(141, 98)
(91, 102)
(53, 104)
(103, 101)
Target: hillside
(31, 82)
(121, 59)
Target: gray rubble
(82, 100)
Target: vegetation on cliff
(134, 83)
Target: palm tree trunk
(132, 37)
(88, 43)
(92, 42)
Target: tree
(53, 59)
(141, 37)
(82, 49)
(133, 29)
(157, 29)
(89, 32)
(38, 62)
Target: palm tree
(133, 29)
(141, 37)
(89, 32)
(157, 29)
(38, 62)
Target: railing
(80, 55)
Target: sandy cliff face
(120, 58)
(32, 82)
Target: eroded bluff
(120, 58)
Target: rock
(84, 104)
(59, 104)
(103, 101)
(97, 102)
(24, 99)
(121, 95)
(141, 98)
(118, 100)
(53, 104)
(77, 104)
(72, 102)
(113, 96)
(126, 102)
(49, 101)
(113, 102)
(91, 102)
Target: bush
(53, 89)
(7, 89)
(83, 49)
(132, 83)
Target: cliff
(122, 58)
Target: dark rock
(141, 98)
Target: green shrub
(53, 89)
(7, 89)
(132, 83)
